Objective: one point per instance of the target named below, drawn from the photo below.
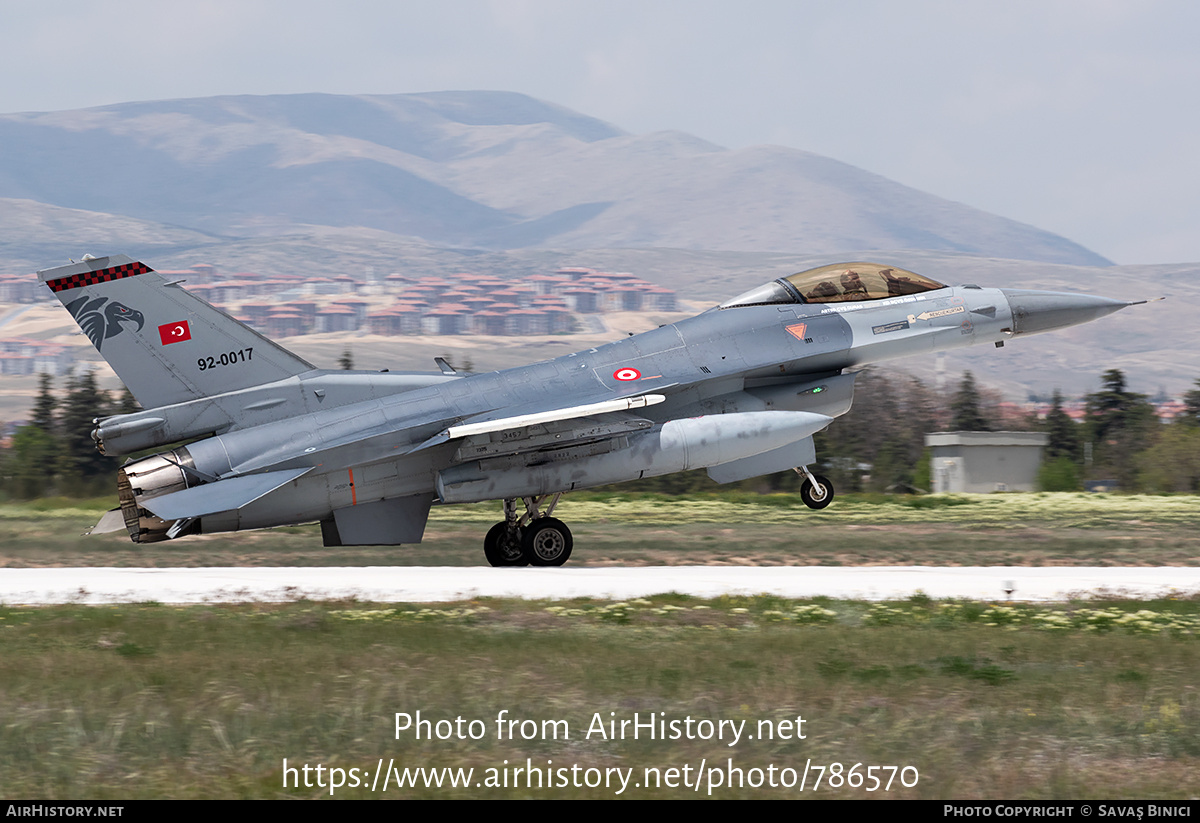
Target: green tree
(892, 469)
(1062, 432)
(1173, 463)
(1060, 474)
(968, 417)
(1120, 424)
(29, 463)
(1191, 401)
(45, 405)
(79, 461)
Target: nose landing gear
(816, 491)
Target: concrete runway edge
(409, 584)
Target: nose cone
(1038, 311)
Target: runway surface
(394, 584)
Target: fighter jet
(739, 390)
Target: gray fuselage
(742, 358)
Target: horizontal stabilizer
(112, 521)
(224, 495)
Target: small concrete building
(974, 462)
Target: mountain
(486, 170)
(34, 234)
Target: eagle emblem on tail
(100, 322)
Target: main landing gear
(816, 491)
(530, 539)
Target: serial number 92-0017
(228, 358)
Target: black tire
(501, 549)
(547, 542)
(814, 498)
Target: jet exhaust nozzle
(147, 478)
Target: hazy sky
(1079, 116)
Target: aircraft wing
(494, 434)
(223, 495)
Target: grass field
(978, 701)
(953, 699)
(967, 530)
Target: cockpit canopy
(838, 283)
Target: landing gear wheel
(547, 542)
(502, 547)
(818, 496)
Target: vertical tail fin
(167, 345)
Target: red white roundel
(627, 374)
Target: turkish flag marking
(174, 332)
